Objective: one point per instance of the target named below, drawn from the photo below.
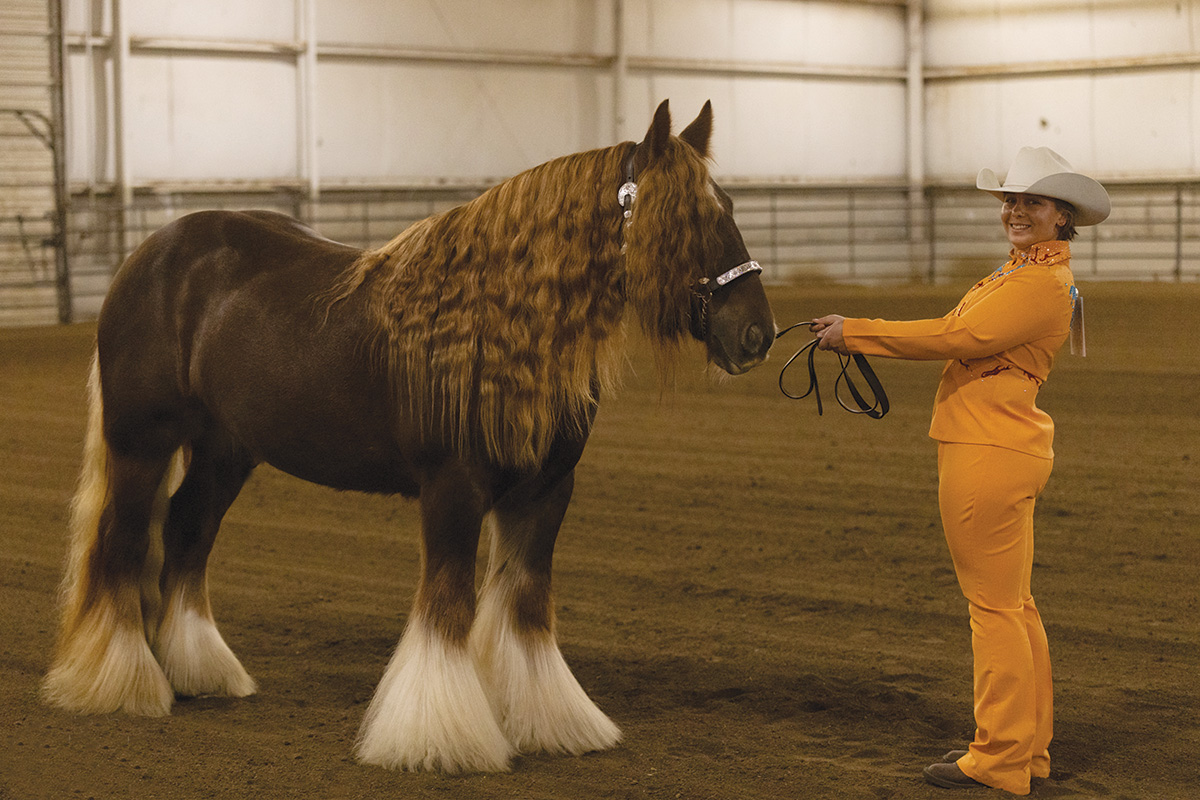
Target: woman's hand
(828, 331)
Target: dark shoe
(953, 756)
(949, 776)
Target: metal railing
(1153, 233)
(839, 234)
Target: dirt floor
(760, 597)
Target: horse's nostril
(753, 339)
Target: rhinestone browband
(737, 272)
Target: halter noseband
(703, 290)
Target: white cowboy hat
(1040, 170)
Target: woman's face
(1029, 219)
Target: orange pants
(986, 495)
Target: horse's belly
(342, 448)
(363, 471)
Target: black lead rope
(874, 410)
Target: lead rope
(875, 410)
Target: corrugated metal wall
(30, 265)
(1113, 85)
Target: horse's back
(226, 247)
(203, 257)
(192, 272)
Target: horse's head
(687, 268)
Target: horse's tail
(77, 637)
(91, 496)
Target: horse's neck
(557, 224)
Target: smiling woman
(1031, 218)
(1044, 198)
(995, 451)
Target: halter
(628, 190)
(703, 288)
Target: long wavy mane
(501, 320)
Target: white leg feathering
(430, 711)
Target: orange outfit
(994, 456)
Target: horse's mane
(502, 319)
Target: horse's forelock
(671, 236)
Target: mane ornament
(460, 364)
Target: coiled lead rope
(875, 410)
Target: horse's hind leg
(188, 645)
(103, 661)
(540, 705)
(430, 711)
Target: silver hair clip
(627, 190)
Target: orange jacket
(1001, 340)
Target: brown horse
(460, 364)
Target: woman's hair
(1066, 231)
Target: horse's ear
(659, 132)
(699, 132)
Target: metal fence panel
(851, 234)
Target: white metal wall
(385, 92)
(411, 91)
(1113, 85)
(297, 104)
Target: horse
(460, 364)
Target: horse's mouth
(742, 367)
(735, 366)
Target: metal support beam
(1093, 66)
(620, 70)
(306, 82)
(915, 92)
(1179, 233)
(123, 176)
(500, 58)
(62, 269)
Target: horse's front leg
(538, 701)
(430, 711)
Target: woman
(994, 451)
